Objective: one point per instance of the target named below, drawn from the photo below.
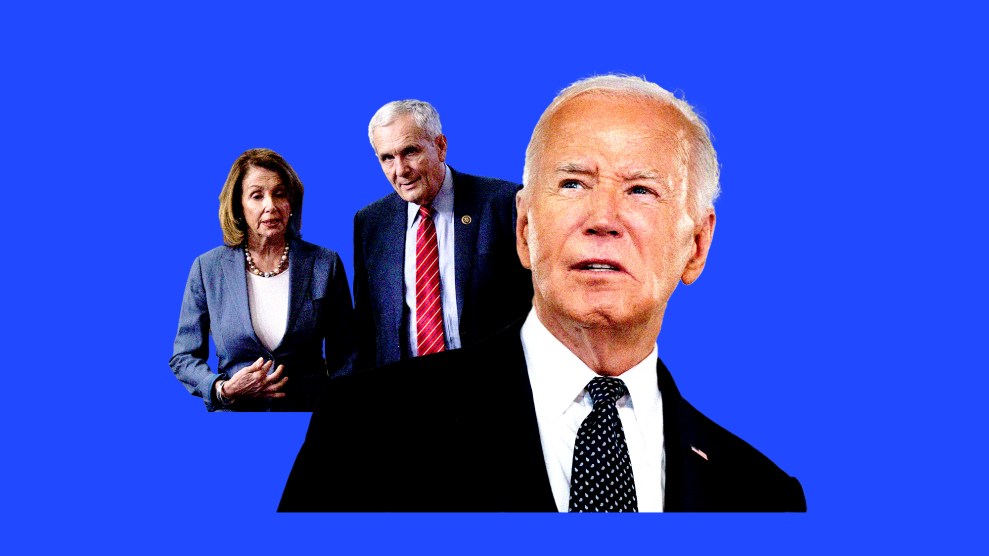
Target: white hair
(700, 159)
(425, 116)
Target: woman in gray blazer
(278, 308)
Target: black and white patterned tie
(601, 479)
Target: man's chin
(410, 196)
(598, 316)
(602, 320)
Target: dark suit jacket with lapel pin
(457, 431)
(320, 317)
(493, 289)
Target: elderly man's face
(412, 161)
(604, 225)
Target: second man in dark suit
(435, 266)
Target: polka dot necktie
(601, 478)
(429, 310)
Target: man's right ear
(522, 228)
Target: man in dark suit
(571, 410)
(480, 284)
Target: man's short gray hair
(701, 162)
(426, 117)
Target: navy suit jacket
(493, 289)
(457, 431)
(215, 302)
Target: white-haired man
(434, 263)
(572, 410)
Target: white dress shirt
(443, 221)
(268, 298)
(559, 380)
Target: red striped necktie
(429, 310)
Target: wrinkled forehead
(402, 130)
(632, 132)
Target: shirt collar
(558, 377)
(642, 384)
(442, 204)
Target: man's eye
(640, 190)
(570, 184)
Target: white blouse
(268, 298)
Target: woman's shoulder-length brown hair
(232, 211)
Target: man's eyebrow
(574, 168)
(641, 175)
(579, 168)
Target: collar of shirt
(559, 377)
(442, 204)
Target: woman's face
(264, 199)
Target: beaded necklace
(255, 270)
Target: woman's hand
(255, 382)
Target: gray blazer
(215, 302)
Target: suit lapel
(465, 224)
(509, 450)
(686, 459)
(235, 284)
(389, 276)
(300, 262)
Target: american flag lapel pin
(699, 452)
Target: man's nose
(401, 165)
(604, 212)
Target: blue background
(837, 326)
